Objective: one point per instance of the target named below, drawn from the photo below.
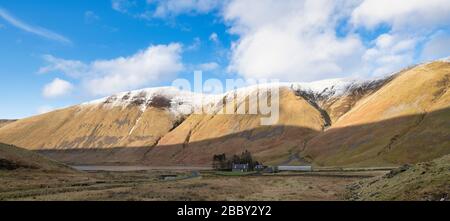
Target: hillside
(12, 158)
(199, 136)
(5, 122)
(405, 121)
(101, 124)
(390, 121)
(423, 181)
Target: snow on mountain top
(338, 85)
(179, 101)
(185, 102)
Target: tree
(220, 162)
(246, 157)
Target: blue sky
(59, 53)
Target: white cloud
(167, 8)
(437, 47)
(210, 66)
(412, 23)
(214, 37)
(103, 77)
(145, 67)
(195, 44)
(90, 17)
(122, 5)
(44, 109)
(390, 53)
(71, 68)
(298, 40)
(32, 29)
(402, 13)
(291, 41)
(316, 39)
(57, 88)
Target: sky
(60, 53)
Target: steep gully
(325, 98)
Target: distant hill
(423, 181)
(399, 119)
(12, 158)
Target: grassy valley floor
(182, 186)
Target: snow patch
(183, 103)
(134, 126)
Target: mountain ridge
(322, 122)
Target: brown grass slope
(423, 181)
(5, 122)
(156, 138)
(12, 158)
(199, 137)
(337, 106)
(405, 121)
(401, 120)
(89, 127)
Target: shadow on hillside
(406, 139)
